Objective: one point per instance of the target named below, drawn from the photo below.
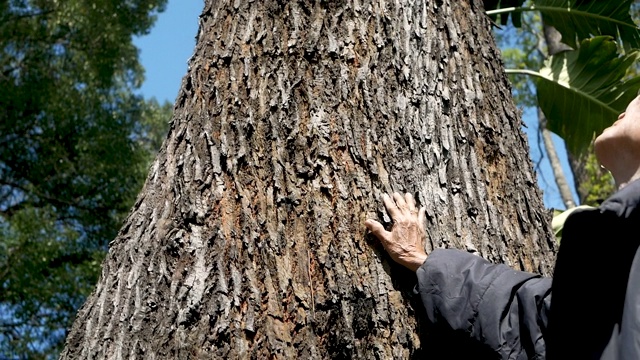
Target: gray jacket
(479, 310)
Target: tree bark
(248, 239)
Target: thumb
(421, 222)
(422, 217)
(376, 228)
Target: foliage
(576, 20)
(503, 17)
(590, 81)
(71, 156)
(521, 50)
(599, 183)
(583, 20)
(153, 127)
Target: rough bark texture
(248, 239)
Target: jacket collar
(625, 201)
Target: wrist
(413, 263)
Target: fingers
(402, 204)
(399, 204)
(411, 203)
(390, 205)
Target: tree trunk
(553, 40)
(248, 239)
(556, 166)
(580, 174)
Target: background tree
(73, 156)
(248, 238)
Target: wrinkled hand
(405, 241)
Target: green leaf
(560, 217)
(578, 20)
(503, 17)
(581, 92)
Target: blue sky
(165, 51)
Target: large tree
(248, 237)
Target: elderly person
(591, 307)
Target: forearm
(494, 304)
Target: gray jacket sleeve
(504, 309)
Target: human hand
(405, 241)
